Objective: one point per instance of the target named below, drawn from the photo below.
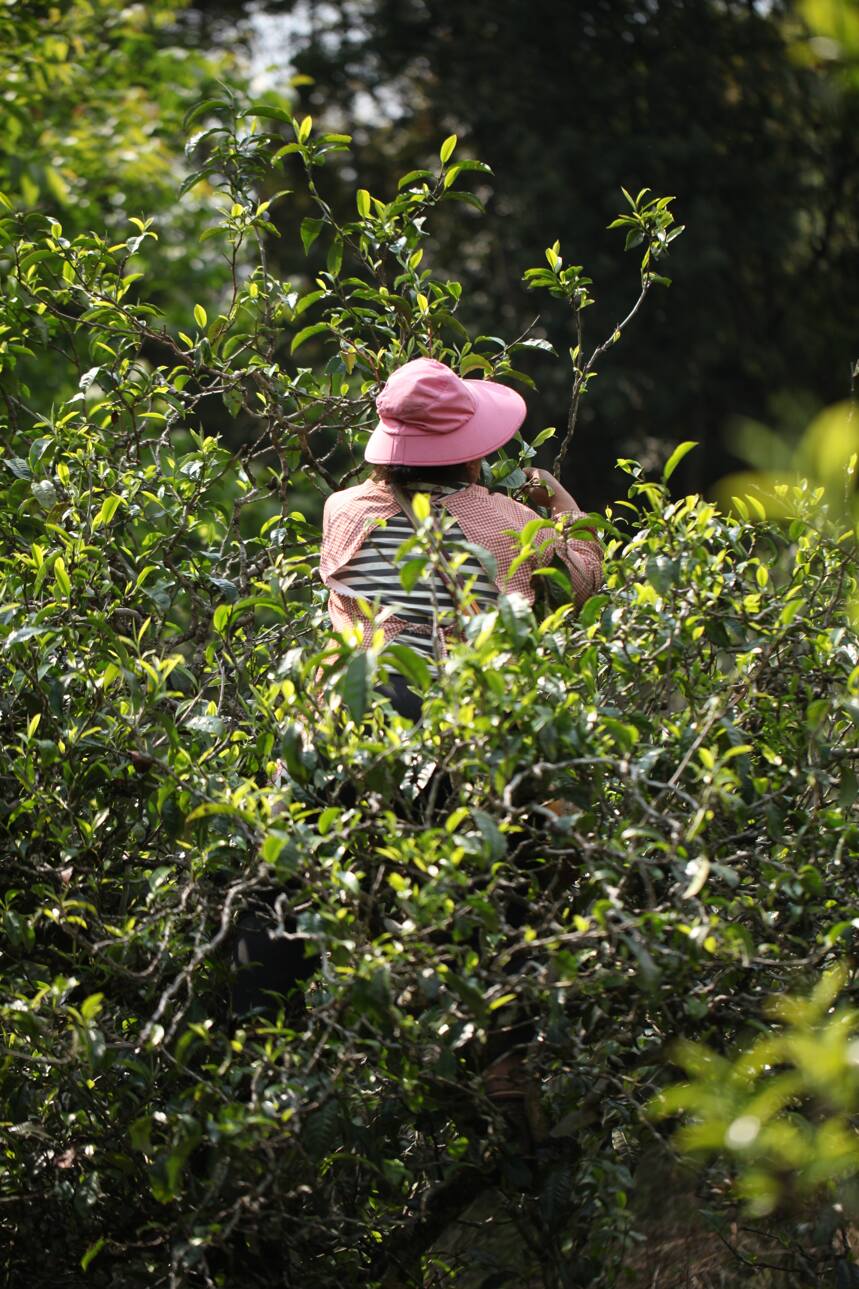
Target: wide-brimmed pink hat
(430, 416)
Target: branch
(582, 373)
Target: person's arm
(582, 557)
(545, 490)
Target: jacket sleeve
(337, 535)
(582, 555)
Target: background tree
(728, 104)
(93, 118)
(719, 102)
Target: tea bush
(610, 832)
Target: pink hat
(430, 416)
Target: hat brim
(498, 414)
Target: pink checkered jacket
(483, 516)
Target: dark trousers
(270, 967)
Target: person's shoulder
(348, 498)
(506, 509)
(357, 507)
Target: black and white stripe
(373, 574)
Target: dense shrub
(622, 828)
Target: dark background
(737, 108)
(726, 105)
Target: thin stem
(579, 384)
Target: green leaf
(45, 493)
(225, 587)
(411, 572)
(327, 819)
(470, 164)
(57, 185)
(200, 316)
(310, 230)
(559, 578)
(200, 109)
(446, 149)
(491, 834)
(516, 615)
(535, 342)
(354, 685)
(233, 400)
(273, 846)
(206, 725)
(362, 200)
(421, 506)
(92, 1252)
(469, 198)
(411, 665)
(269, 111)
(214, 808)
(107, 510)
(698, 871)
(314, 329)
(676, 457)
(334, 260)
(61, 577)
(475, 362)
(501, 1001)
(485, 559)
(25, 633)
(91, 1006)
(413, 176)
(307, 300)
(221, 617)
(848, 790)
(790, 610)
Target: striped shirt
(488, 519)
(374, 574)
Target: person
(433, 433)
(434, 430)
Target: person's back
(433, 433)
(373, 572)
